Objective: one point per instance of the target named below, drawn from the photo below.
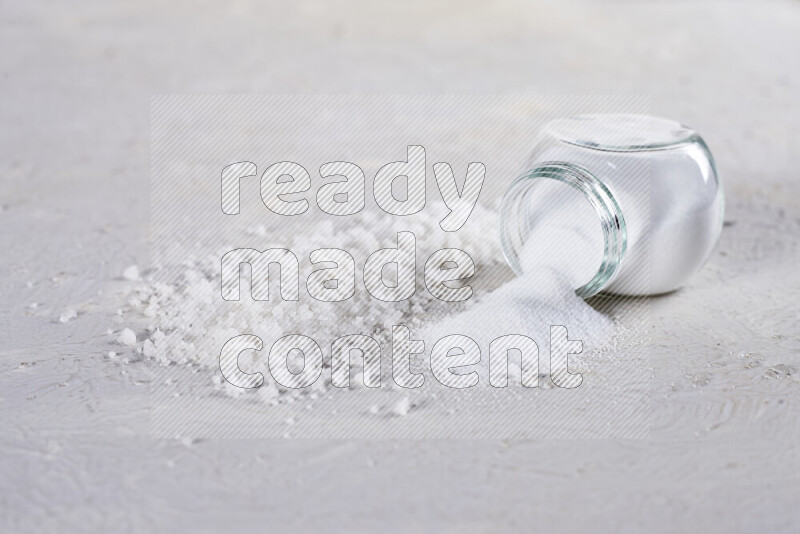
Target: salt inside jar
(622, 204)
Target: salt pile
(182, 329)
(563, 252)
(180, 323)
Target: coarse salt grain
(68, 315)
(402, 407)
(127, 337)
(131, 273)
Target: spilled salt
(131, 273)
(148, 348)
(188, 333)
(558, 258)
(402, 407)
(561, 254)
(67, 315)
(127, 337)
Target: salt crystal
(131, 273)
(259, 230)
(402, 407)
(68, 315)
(127, 337)
(148, 349)
(268, 392)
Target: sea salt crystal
(148, 349)
(259, 230)
(127, 337)
(268, 392)
(131, 273)
(68, 315)
(402, 407)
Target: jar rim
(599, 196)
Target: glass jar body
(652, 183)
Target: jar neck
(515, 216)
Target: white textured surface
(75, 455)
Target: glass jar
(654, 198)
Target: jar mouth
(514, 230)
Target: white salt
(563, 252)
(402, 407)
(131, 273)
(68, 315)
(528, 305)
(127, 337)
(566, 238)
(190, 333)
(148, 349)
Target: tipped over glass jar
(628, 204)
